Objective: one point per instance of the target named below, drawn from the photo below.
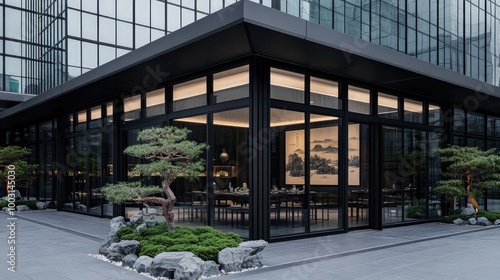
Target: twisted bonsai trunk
(167, 204)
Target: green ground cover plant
(492, 216)
(204, 242)
(30, 203)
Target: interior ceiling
(255, 31)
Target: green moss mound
(204, 242)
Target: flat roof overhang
(244, 29)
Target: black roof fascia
(248, 28)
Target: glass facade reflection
(46, 43)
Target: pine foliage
(469, 172)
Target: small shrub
(449, 219)
(156, 230)
(416, 211)
(204, 242)
(132, 236)
(124, 231)
(30, 203)
(151, 249)
(490, 215)
(162, 240)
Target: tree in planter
(170, 155)
(16, 156)
(469, 172)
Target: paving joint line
(82, 234)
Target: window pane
(141, 36)
(74, 23)
(155, 102)
(124, 10)
(107, 7)
(231, 84)
(459, 120)
(124, 34)
(107, 30)
(158, 15)
(106, 54)
(359, 100)
(132, 108)
(435, 115)
(142, 12)
(190, 94)
(286, 85)
(475, 123)
(413, 110)
(324, 93)
(388, 106)
(89, 55)
(89, 26)
(95, 117)
(81, 120)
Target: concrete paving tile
(48, 275)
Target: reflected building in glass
(327, 112)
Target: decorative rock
(5, 209)
(103, 250)
(472, 221)
(129, 260)
(458, 221)
(117, 251)
(139, 227)
(189, 268)
(116, 224)
(256, 245)
(129, 246)
(497, 222)
(81, 207)
(41, 205)
(143, 264)
(231, 259)
(483, 221)
(137, 219)
(210, 268)
(252, 261)
(166, 260)
(22, 208)
(469, 211)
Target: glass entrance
(358, 176)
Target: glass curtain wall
(305, 191)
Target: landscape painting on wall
(324, 152)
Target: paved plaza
(56, 245)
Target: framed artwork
(324, 151)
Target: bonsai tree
(16, 156)
(469, 172)
(169, 156)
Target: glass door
(358, 174)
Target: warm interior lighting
(325, 87)
(95, 113)
(82, 116)
(413, 106)
(287, 79)
(231, 78)
(359, 94)
(433, 108)
(389, 101)
(109, 109)
(190, 89)
(132, 103)
(156, 97)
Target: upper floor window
(359, 100)
(190, 94)
(286, 85)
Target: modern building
(328, 111)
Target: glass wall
(305, 191)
